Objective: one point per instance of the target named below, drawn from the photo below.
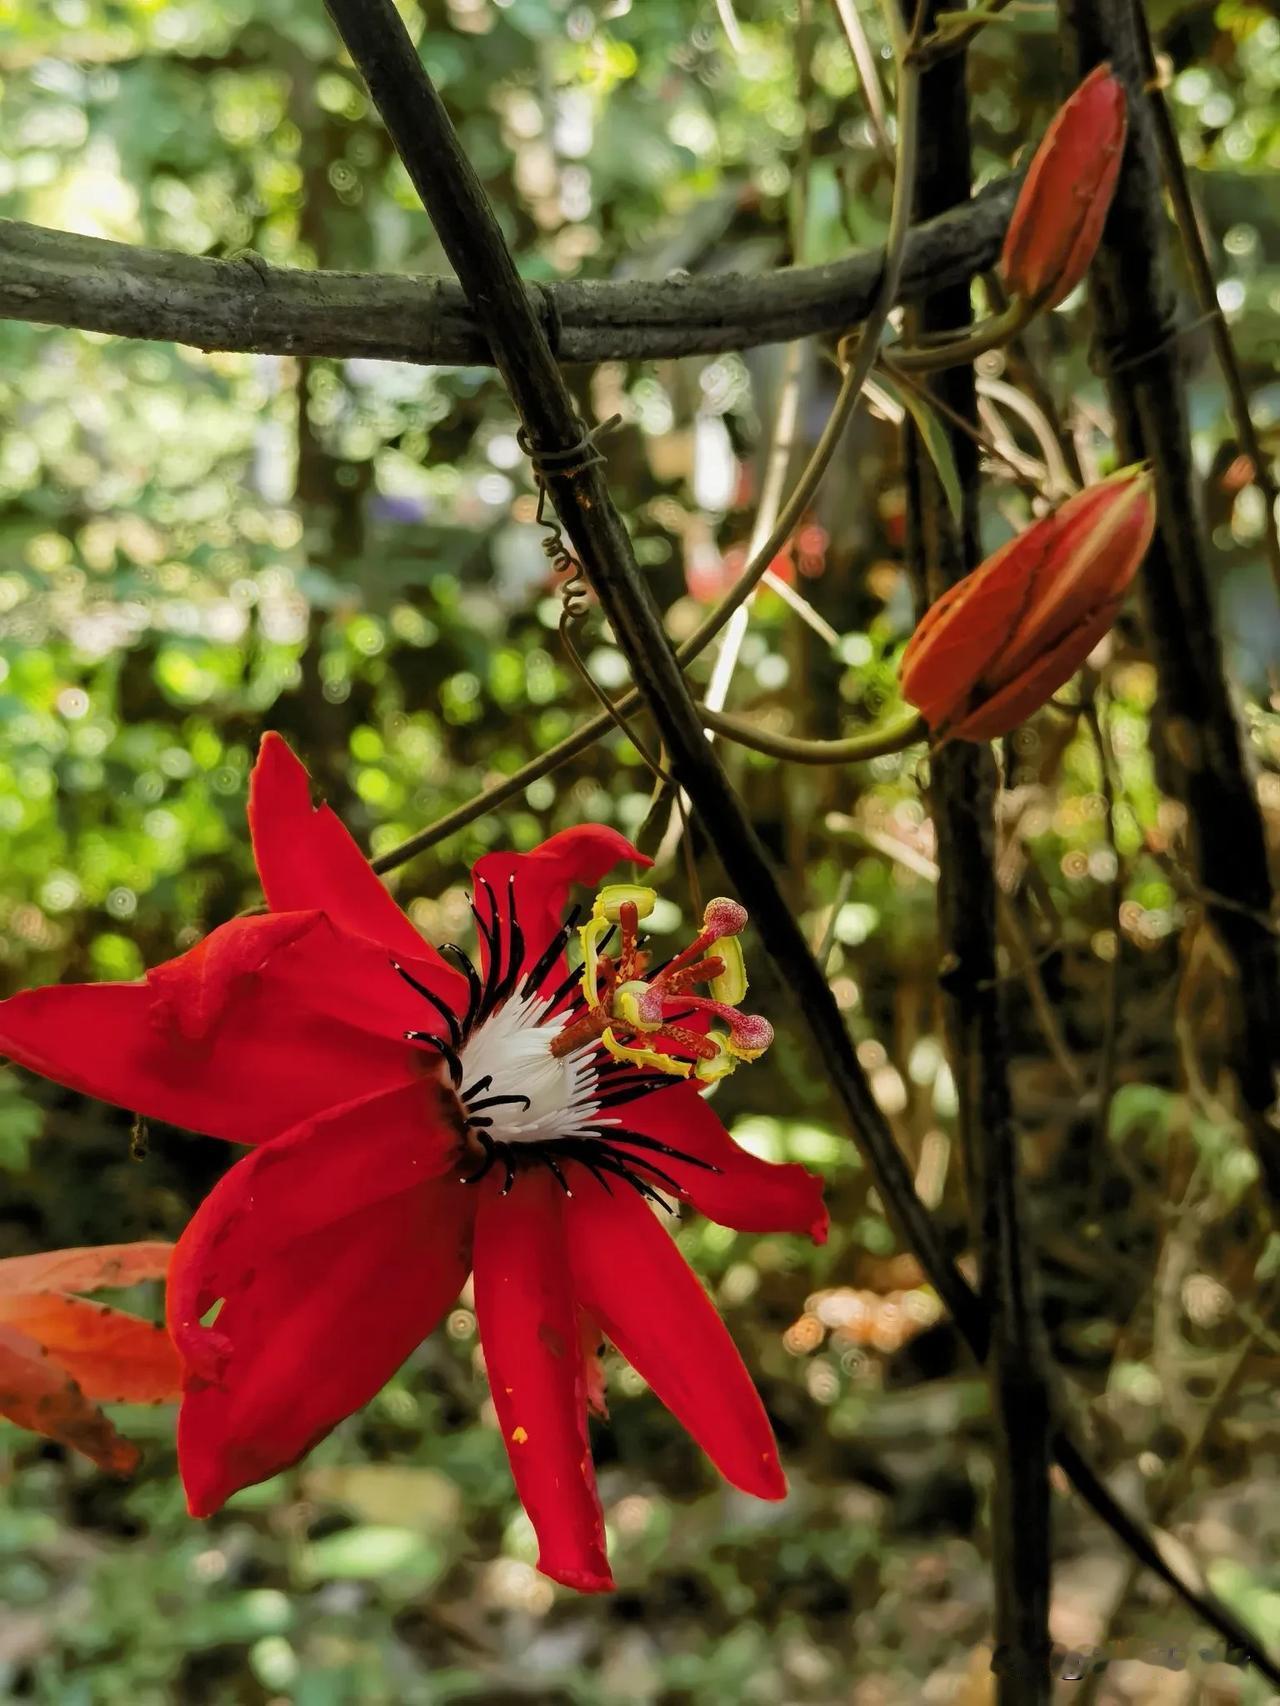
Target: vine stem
(905, 728)
(958, 348)
(378, 42)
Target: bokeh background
(194, 547)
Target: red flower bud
(1066, 195)
(996, 646)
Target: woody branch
(62, 279)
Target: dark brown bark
(963, 786)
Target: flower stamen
(626, 1004)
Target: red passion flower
(418, 1119)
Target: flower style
(1000, 642)
(418, 1119)
(1067, 193)
(62, 1356)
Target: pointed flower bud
(1067, 194)
(996, 646)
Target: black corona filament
(446, 1013)
(504, 956)
(572, 984)
(606, 1151)
(489, 931)
(474, 987)
(554, 948)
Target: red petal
(114, 1357)
(311, 1178)
(333, 1263)
(591, 1344)
(529, 1329)
(629, 1274)
(37, 1394)
(541, 884)
(91, 1268)
(265, 1022)
(746, 1193)
(307, 859)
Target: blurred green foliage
(197, 546)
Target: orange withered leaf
(997, 645)
(62, 1356)
(94, 1267)
(1067, 193)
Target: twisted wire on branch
(420, 127)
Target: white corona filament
(513, 1049)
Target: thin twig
(766, 516)
(1059, 483)
(1028, 969)
(916, 383)
(730, 25)
(864, 63)
(827, 936)
(796, 601)
(784, 430)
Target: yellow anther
(647, 1057)
(711, 1071)
(626, 1004)
(614, 896)
(731, 985)
(592, 933)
